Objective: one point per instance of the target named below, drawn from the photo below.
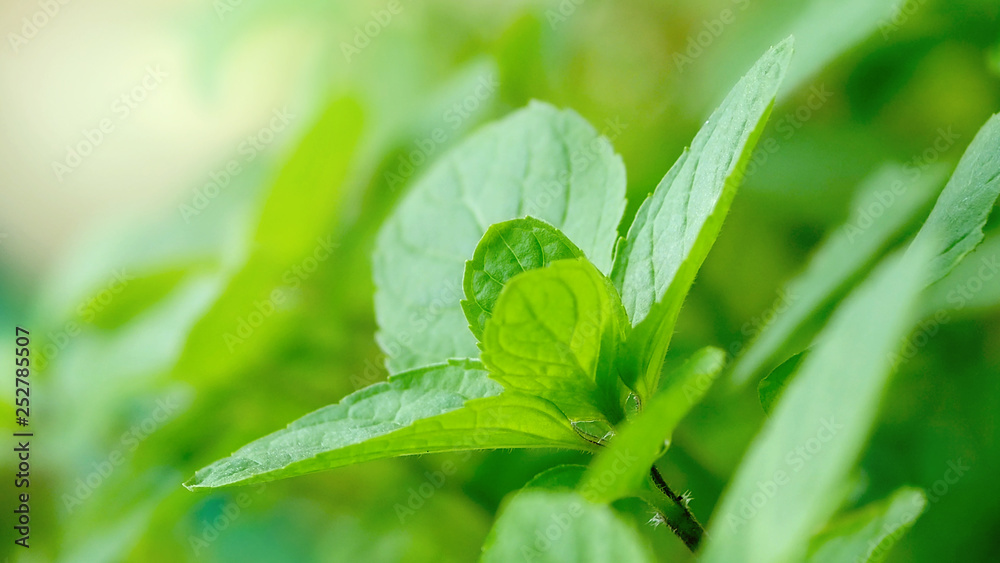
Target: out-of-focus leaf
(563, 527)
(565, 477)
(955, 225)
(888, 202)
(677, 225)
(112, 544)
(508, 249)
(828, 28)
(538, 161)
(620, 470)
(794, 476)
(823, 29)
(868, 534)
(434, 409)
(134, 298)
(555, 333)
(297, 222)
(770, 388)
(973, 286)
(138, 264)
(109, 536)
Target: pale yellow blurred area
(63, 75)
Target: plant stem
(677, 515)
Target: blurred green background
(167, 165)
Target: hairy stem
(676, 514)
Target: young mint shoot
(513, 314)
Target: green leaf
(555, 333)
(570, 477)
(823, 29)
(770, 388)
(796, 471)
(136, 296)
(446, 407)
(561, 477)
(538, 161)
(621, 469)
(114, 540)
(955, 225)
(830, 28)
(562, 527)
(508, 249)
(676, 226)
(888, 202)
(868, 534)
(297, 221)
(971, 287)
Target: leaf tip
(786, 44)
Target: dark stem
(677, 515)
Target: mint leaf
(433, 409)
(508, 249)
(846, 255)
(955, 225)
(555, 333)
(621, 469)
(676, 226)
(539, 161)
(868, 534)
(562, 527)
(795, 473)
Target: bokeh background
(141, 142)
